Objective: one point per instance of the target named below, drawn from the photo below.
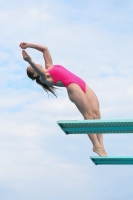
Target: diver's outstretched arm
(39, 70)
(43, 49)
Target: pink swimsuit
(59, 73)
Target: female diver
(78, 92)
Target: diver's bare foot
(100, 151)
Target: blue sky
(94, 40)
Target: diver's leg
(78, 97)
(93, 100)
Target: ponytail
(46, 87)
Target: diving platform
(97, 126)
(112, 160)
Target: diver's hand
(26, 57)
(24, 45)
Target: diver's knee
(97, 114)
(88, 115)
